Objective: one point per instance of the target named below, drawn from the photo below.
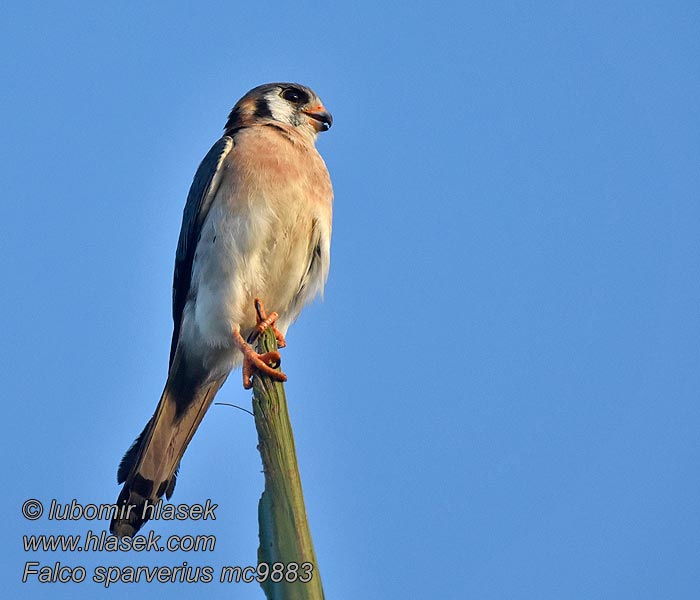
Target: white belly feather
(261, 248)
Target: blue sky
(498, 397)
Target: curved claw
(264, 322)
(260, 362)
(253, 361)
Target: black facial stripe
(233, 118)
(262, 110)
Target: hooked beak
(322, 119)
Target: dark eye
(294, 96)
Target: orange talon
(253, 361)
(268, 321)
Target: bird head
(289, 103)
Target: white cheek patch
(281, 109)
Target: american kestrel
(256, 226)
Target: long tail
(149, 468)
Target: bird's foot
(252, 361)
(265, 322)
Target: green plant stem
(284, 529)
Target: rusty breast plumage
(267, 233)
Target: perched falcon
(256, 226)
